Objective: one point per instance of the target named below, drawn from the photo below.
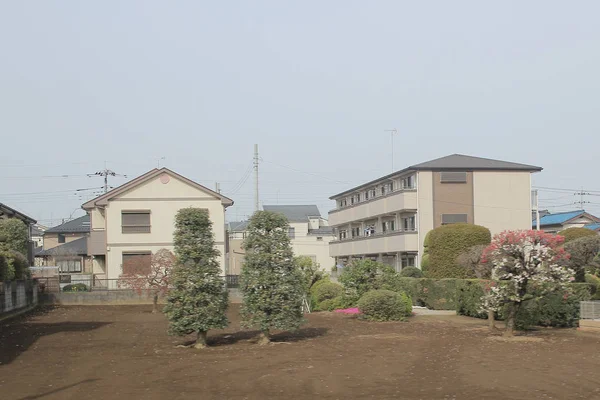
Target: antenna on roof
(392, 133)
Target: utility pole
(106, 173)
(581, 202)
(392, 133)
(218, 187)
(537, 209)
(256, 204)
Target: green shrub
(385, 305)
(76, 287)
(582, 253)
(6, 274)
(331, 304)
(325, 292)
(411, 272)
(14, 266)
(362, 276)
(435, 294)
(468, 297)
(576, 233)
(446, 243)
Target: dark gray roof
(324, 230)
(11, 212)
(81, 224)
(295, 213)
(237, 226)
(36, 230)
(462, 162)
(76, 247)
(453, 162)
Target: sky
(193, 85)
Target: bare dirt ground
(123, 352)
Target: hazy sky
(314, 83)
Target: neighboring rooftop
(453, 162)
(295, 213)
(81, 224)
(563, 217)
(12, 213)
(76, 247)
(593, 227)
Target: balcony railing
(371, 199)
(374, 235)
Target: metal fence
(93, 283)
(589, 310)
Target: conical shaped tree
(270, 280)
(197, 300)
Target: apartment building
(387, 219)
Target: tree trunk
(155, 303)
(200, 340)
(510, 319)
(491, 321)
(263, 338)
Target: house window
(408, 223)
(319, 238)
(61, 238)
(408, 260)
(292, 233)
(135, 221)
(448, 219)
(69, 265)
(136, 263)
(453, 177)
(408, 182)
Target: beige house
(137, 219)
(309, 232)
(387, 219)
(65, 246)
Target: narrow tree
(153, 278)
(13, 235)
(311, 271)
(272, 284)
(197, 299)
(527, 265)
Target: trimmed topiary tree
(271, 282)
(576, 233)
(446, 243)
(325, 292)
(472, 260)
(197, 299)
(411, 272)
(385, 305)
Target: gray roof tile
(76, 247)
(295, 213)
(81, 224)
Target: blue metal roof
(593, 227)
(558, 218)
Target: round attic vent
(164, 179)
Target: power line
(106, 173)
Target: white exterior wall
(163, 201)
(502, 200)
(425, 208)
(307, 245)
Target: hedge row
(556, 309)
(435, 294)
(13, 265)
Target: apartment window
(319, 238)
(408, 260)
(135, 221)
(136, 263)
(343, 203)
(69, 265)
(389, 226)
(408, 182)
(61, 238)
(356, 232)
(387, 188)
(453, 177)
(292, 233)
(343, 235)
(448, 219)
(367, 195)
(408, 223)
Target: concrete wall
(502, 200)
(17, 296)
(452, 198)
(163, 200)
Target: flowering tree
(526, 265)
(140, 276)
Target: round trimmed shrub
(576, 233)
(76, 287)
(331, 304)
(446, 243)
(327, 291)
(411, 272)
(385, 305)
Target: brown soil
(123, 352)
